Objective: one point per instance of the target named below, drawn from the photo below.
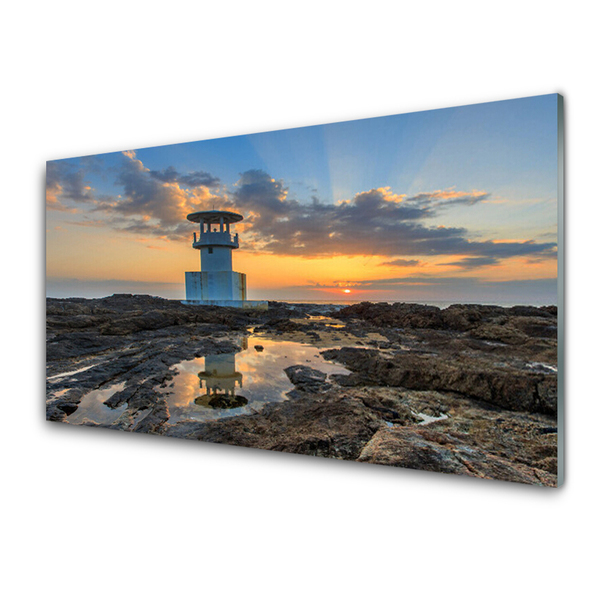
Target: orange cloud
(52, 202)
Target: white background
(97, 514)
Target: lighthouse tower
(216, 283)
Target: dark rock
(500, 385)
(67, 407)
(123, 314)
(533, 311)
(535, 326)
(429, 450)
(463, 317)
(223, 401)
(53, 413)
(499, 333)
(307, 379)
(281, 325)
(457, 317)
(155, 420)
(332, 425)
(399, 314)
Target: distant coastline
(334, 302)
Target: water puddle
(425, 419)
(58, 394)
(226, 385)
(60, 376)
(539, 367)
(327, 321)
(215, 386)
(92, 407)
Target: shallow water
(425, 419)
(246, 380)
(60, 376)
(92, 407)
(327, 321)
(239, 383)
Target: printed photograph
(383, 290)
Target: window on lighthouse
(210, 250)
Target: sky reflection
(261, 377)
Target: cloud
(450, 197)
(259, 193)
(55, 187)
(87, 223)
(53, 203)
(65, 179)
(67, 184)
(147, 197)
(401, 262)
(156, 207)
(192, 180)
(399, 282)
(374, 222)
(473, 262)
(155, 203)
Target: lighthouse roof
(214, 216)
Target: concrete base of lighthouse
(219, 288)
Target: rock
(307, 379)
(280, 325)
(463, 317)
(499, 333)
(259, 347)
(123, 314)
(333, 425)
(226, 402)
(501, 385)
(533, 311)
(405, 447)
(429, 450)
(399, 314)
(537, 327)
(67, 407)
(457, 317)
(155, 420)
(53, 413)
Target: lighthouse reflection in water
(220, 386)
(219, 380)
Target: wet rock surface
(307, 379)
(468, 390)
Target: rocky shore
(469, 390)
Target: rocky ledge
(469, 390)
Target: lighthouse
(217, 283)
